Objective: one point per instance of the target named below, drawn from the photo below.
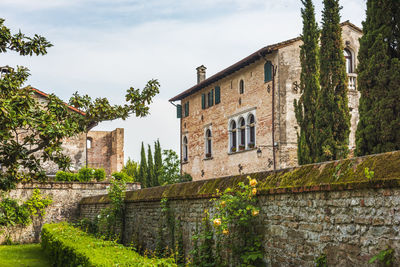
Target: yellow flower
(254, 191)
(253, 182)
(217, 222)
(223, 203)
(225, 231)
(255, 212)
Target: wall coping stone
(347, 174)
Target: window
(268, 71)
(186, 109)
(251, 131)
(185, 149)
(208, 143)
(89, 143)
(349, 60)
(241, 87)
(207, 99)
(242, 134)
(232, 136)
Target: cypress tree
(379, 79)
(143, 168)
(157, 163)
(305, 108)
(150, 168)
(333, 116)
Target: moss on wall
(335, 175)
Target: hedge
(66, 245)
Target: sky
(102, 47)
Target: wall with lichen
(65, 196)
(330, 208)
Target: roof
(37, 91)
(245, 62)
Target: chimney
(5, 70)
(201, 74)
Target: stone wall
(65, 196)
(329, 208)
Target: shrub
(99, 174)
(62, 176)
(37, 204)
(11, 213)
(85, 174)
(121, 176)
(69, 246)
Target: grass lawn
(23, 256)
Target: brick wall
(348, 218)
(65, 196)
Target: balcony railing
(352, 81)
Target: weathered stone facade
(350, 218)
(106, 151)
(257, 100)
(65, 196)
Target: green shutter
(186, 109)
(212, 97)
(179, 111)
(217, 95)
(203, 101)
(267, 71)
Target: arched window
(89, 143)
(251, 131)
(241, 87)
(242, 134)
(208, 143)
(233, 134)
(185, 149)
(349, 60)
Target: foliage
(69, 246)
(321, 261)
(110, 219)
(332, 113)
(150, 169)
(385, 256)
(131, 168)
(235, 222)
(37, 204)
(11, 213)
(203, 243)
(85, 174)
(62, 176)
(170, 173)
(143, 168)
(369, 174)
(378, 81)
(305, 108)
(122, 176)
(32, 133)
(157, 162)
(99, 174)
(23, 255)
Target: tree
(32, 133)
(131, 168)
(157, 162)
(332, 115)
(378, 129)
(305, 108)
(150, 168)
(143, 168)
(171, 168)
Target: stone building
(96, 149)
(242, 120)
